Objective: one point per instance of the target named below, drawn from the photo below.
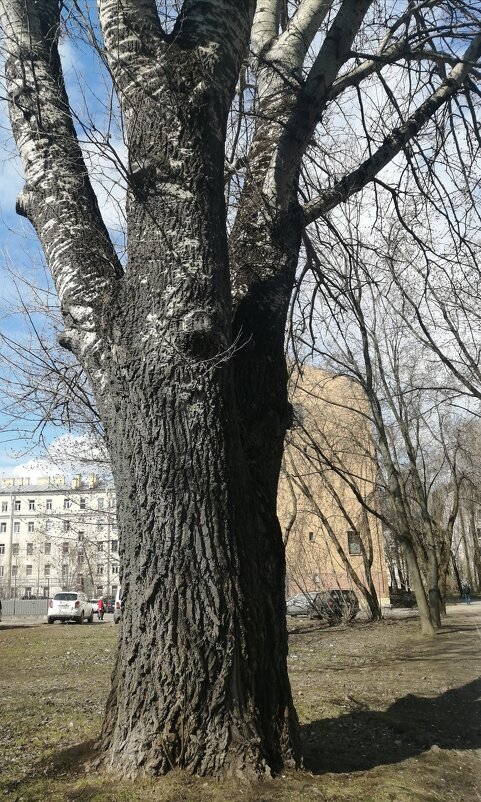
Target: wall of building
(57, 535)
(319, 512)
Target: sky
(21, 255)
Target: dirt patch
(386, 715)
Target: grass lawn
(386, 716)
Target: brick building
(325, 527)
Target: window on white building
(16, 527)
(15, 548)
(46, 570)
(4, 506)
(3, 526)
(65, 548)
(47, 548)
(14, 570)
(100, 569)
(2, 571)
(31, 504)
(114, 546)
(48, 525)
(29, 570)
(100, 503)
(82, 504)
(29, 548)
(66, 503)
(66, 526)
(48, 504)
(64, 570)
(31, 526)
(115, 568)
(17, 505)
(100, 545)
(2, 548)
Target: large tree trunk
(195, 620)
(201, 547)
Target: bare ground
(386, 715)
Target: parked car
(402, 598)
(118, 606)
(95, 605)
(70, 606)
(331, 605)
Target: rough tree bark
(184, 346)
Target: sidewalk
(11, 621)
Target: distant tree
(420, 451)
(183, 339)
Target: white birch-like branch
(132, 36)
(58, 198)
(265, 25)
(396, 140)
(292, 45)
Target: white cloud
(66, 455)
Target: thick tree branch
(57, 198)
(396, 140)
(308, 102)
(132, 35)
(265, 24)
(292, 45)
(219, 27)
(335, 49)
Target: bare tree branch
(396, 141)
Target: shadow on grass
(363, 739)
(64, 766)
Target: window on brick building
(353, 542)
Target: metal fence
(24, 607)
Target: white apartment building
(57, 535)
